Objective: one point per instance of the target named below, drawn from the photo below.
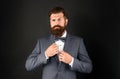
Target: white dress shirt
(60, 45)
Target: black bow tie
(60, 38)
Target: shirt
(60, 45)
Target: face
(58, 23)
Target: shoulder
(75, 37)
(43, 38)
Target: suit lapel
(50, 40)
(68, 43)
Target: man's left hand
(65, 57)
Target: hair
(58, 10)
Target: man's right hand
(52, 50)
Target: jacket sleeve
(82, 63)
(36, 58)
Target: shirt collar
(65, 34)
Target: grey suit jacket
(53, 69)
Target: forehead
(57, 15)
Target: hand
(65, 57)
(52, 50)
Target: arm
(82, 63)
(36, 58)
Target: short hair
(58, 10)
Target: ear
(66, 21)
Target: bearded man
(61, 54)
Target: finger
(60, 58)
(55, 51)
(55, 45)
(54, 48)
(63, 52)
(60, 54)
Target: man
(61, 54)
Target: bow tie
(60, 38)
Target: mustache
(56, 26)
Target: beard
(57, 30)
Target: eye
(59, 19)
(53, 19)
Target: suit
(53, 69)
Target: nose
(56, 22)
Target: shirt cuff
(46, 56)
(71, 63)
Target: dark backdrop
(24, 21)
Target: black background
(24, 21)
